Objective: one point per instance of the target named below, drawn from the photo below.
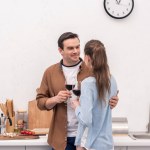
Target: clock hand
(117, 1)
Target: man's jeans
(70, 143)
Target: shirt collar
(61, 64)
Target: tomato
(26, 132)
(29, 133)
(22, 132)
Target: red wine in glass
(69, 87)
(77, 92)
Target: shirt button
(65, 139)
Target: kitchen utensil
(9, 104)
(2, 124)
(40, 131)
(10, 123)
(19, 137)
(36, 117)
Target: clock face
(118, 9)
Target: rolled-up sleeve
(43, 93)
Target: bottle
(0, 125)
(2, 120)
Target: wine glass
(69, 87)
(77, 89)
(69, 84)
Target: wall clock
(118, 9)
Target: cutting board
(40, 131)
(21, 137)
(38, 118)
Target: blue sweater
(95, 114)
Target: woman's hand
(113, 101)
(75, 103)
(80, 148)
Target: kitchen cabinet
(38, 148)
(25, 148)
(139, 148)
(120, 148)
(120, 142)
(12, 147)
(132, 148)
(48, 148)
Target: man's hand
(62, 96)
(113, 101)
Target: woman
(93, 111)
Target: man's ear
(60, 51)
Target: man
(52, 93)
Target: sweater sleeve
(114, 87)
(84, 111)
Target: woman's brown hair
(96, 51)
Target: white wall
(29, 30)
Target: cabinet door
(120, 148)
(12, 147)
(139, 148)
(38, 148)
